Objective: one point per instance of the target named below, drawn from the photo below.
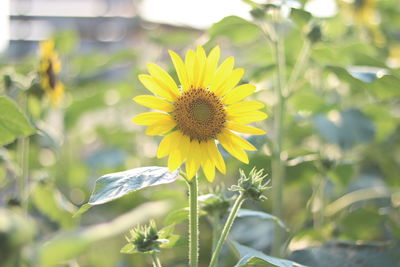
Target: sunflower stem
(277, 164)
(193, 223)
(156, 260)
(227, 227)
(23, 156)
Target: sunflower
(205, 109)
(49, 68)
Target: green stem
(215, 229)
(156, 260)
(227, 227)
(298, 68)
(23, 156)
(277, 162)
(193, 223)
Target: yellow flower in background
(364, 11)
(50, 67)
(205, 108)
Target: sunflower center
(199, 114)
(51, 75)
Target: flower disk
(49, 68)
(199, 114)
(204, 109)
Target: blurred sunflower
(206, 107)
(49, 68)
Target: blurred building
(99, 23)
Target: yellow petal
(239, 141)
(235, 151)
(222, 73)
(153, 86)
(159, 74)
(247, 117)
(239, 93)
(148, 118)
(154, 102)
(160, 128)
(193, 161)
(211, 66)
(175, 158)
(244, 106)
(233, 79)
(200, 66)
(209, 169)
(164, 148)
(216, 156)
(180, 70)
(240, 128)
(190, 60)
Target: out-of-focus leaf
(308, 102)
(299, 16)
(385, 121)
(351, 128)
(250, 256)
(16, 230)
(177, 216)
(115, 185)
(53, 204)
(72, 243)
(261, 215)
(340, 254)
(366, 74)
(342, 173)
(238, 30)
(13, 123)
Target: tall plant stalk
(227, 227)
(279, 133)
(193, 223)
(23, 160)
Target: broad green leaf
(261, 215)
(70, 244)
(49, 200)
(352, 128)
(13, 123)
(343, 254)
(115, 185)
(250, 256)
(238, 30)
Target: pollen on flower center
(199, 114)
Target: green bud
(215, 202)
(252, 186)
(145, 239)
(257, 13)
(315, 34)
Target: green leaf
(300, 17)
(70, 244)
(238, 30)
(128, 249)
(49, 200)
(116, 185)
(177, 216)
(352, 128)
(250, 256)
(343, 254)
(13, 123)
(261, 215)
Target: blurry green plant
(331, 88)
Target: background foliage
(341, 146)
